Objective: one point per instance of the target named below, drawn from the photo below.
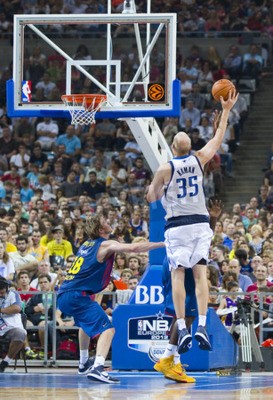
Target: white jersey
(184, 195)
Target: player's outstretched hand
(215, 207)
(232, 98)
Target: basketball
(221, 88)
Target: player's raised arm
(208, 151)
(161, 178)
(110, 247)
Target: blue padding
(122, 113)
(133, 347)
(157, 223)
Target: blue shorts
(86, 312)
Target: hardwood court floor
(65, 384)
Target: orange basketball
(221, 88)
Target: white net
(83, 109)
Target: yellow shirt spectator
(58, 246)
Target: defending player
(89, 274)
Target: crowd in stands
(55, 175)
(193, 15)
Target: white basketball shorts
(188, 244)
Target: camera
(243, 303)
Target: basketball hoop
(83, 107)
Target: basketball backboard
(133, 62)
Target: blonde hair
(258, 228)
(93, 226)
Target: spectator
(7, 147)
(78, 238)
(125, 275)
(268, 176)
(87, 151)
(71, 142)
(256, 261)
(20, 159)
(12, 176)
(186, 86)
(93, 189)
(190, 112)
(205, 78)
(26, 193)
(252, 63)
(47, 132)
(262, 281)
(38, 251)
(205, 129)
(138, 225)
(122, 136)
(141, 173)
(249, 220)
(45, 84)
(135, 192)
(105, 134)
(21, 258)
(170, 129)
(244, 280)
(116, 177)
(245, 263)
(229, 301)
(120, 263)
(9, 247)
(24, 126)
(100, 155)
(212, 276)
(11, 327)
(43, 269)
(233, 63)
(38, 158)
(196, 141)
(256, 238)
(112, 218)
(121, 233)
(199, 101)
(134, 264)
(228, 240)
(132, 148)
(7, 269)
(70, 188)
(99, 170)
(125, 161)
(58, 246)
(23, 285)
(38, 306)
(133, 282)
(213, 297)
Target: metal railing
(54, 361)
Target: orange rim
(90, 99)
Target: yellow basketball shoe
(164, 364)
(177, 373)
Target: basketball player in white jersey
(179, 186)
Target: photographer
(11, 326)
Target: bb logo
(156, 92)
(149, 295)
